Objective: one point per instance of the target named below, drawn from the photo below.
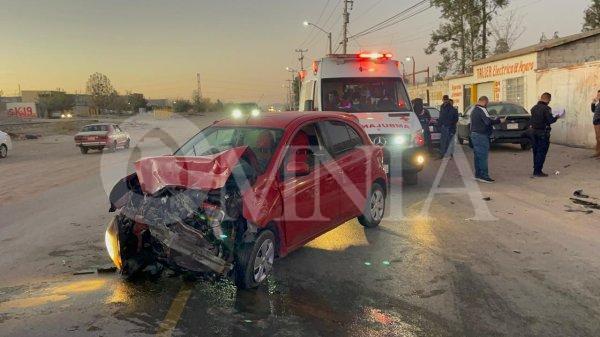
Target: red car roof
(281, 120)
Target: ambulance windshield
(364, 95)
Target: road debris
(84, 272)
(487, 198)
(586, 204)
(580, 194)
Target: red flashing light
(315, 67)
(375, 56)
(302, 74)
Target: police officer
(541, 119)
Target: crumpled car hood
(202, 173)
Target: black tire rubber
(526, 146)
(113, 147)
(244, 261)
(4, 152)
(366, 219)
(127, 144)
(410, 178)
(83, 149)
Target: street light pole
(414, 73)
(306, 24)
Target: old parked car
(101, 136)
(244, 191)
(512, 131)
(5, 144)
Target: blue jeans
(446, 140)
(481, 149)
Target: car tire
(113, 147)
(526, 146)
(3, 151)
(261, 252)
(127, 144)
(374, 207)
(83, 149)
(410, 178)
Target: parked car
(434, 129)
(244, 191)
(5, 144)
(512, 131)
(101, 136)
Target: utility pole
(301, 57)
(199, 85)
(345, 22)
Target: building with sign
(568, 68)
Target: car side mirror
(297, 168)
(309, 105)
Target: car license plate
(512, 126)
(386, 168)
(436, 136)
(431, 129)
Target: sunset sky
(240, 47)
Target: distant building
(160, 103)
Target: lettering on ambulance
(385, 126)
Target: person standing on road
(447, 124)
(481, 130)
(596, 121)
(424, 118)
(541, 119)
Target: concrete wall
(436, 91)
(572, 88)
(577, 52)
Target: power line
(390, 21)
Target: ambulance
(370, 86)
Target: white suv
(5, 144)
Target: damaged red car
(245, 191)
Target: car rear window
(341, 137)
(506, 110)
(91, 128)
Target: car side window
(340, 137)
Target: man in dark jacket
(424, 118)
(447, 124)
(541, 119)
(596, 121)
(481, 130)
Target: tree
(506, 30)
(182, 105)
(56, 101)
(136, 102)
(462, 36)
(591, 18)
(201, 104)
(296, 93)
(117, 102)
(100, 90)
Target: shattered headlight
(111, 239)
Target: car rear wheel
(526, 146)
(3, 151)
(113, 146)
(254, 261)
(375, 207)
(127, 144)
(83, 149)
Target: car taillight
(419, 139)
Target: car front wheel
(254, 261)
(83, 149)
(375, 207)
(3, 151)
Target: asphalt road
(523, 263)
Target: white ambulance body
(370, 86)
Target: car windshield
(433, 112)
(91, 128)
(506, 109)
(365, 95)
(212, 140)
